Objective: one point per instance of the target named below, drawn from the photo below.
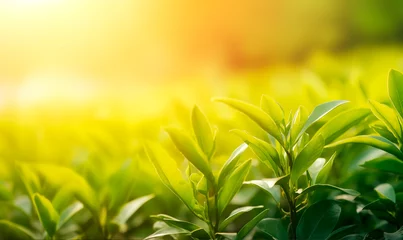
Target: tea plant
(205, 192)
(293, 155)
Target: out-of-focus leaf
(191, 151)
(202, 131)
(174, 222)
(200, 234)
(256, 114)
(232, 185)
(342, 232)
(273, 227)
(119, 185)
(15, 231)
(386, 191)
(326, 170)
(29, 178)
(318, 221)
(387, 116)
(172, 177)
(46, 213)
(5, 194)
(266, 153)
(319, 112)
(306, 157)
(382, 130)
(374, 141)
(168, 231)
(398, 235)
(248, 227)
(63, 198)
(235, 214)
(230, 164)
(229, 236)
(342, 122)
(268, 185)
(68, 213)
(202, 186)
(395, 90)
(353, 237)
(386, 164)
(130, 208)
(298, 123)
(318, 187)
(271, 107)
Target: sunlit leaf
(202, 131)
(386, 164)
(232, 185)
(326, 170)
(248, 227)
(168, 231)
(230, 164)
(128, 209)
(386, 191)
(374, 141)
(236, 214)
(387, 116)
(318, 187)
(271, 107)
(298, 123)
(174, 222)
(315, 168)
(395, 90)
(68, 213)
(256, 114)
(318, 221)
(46, 213)
(268, 185)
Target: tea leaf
(46, 213)
(387, 116)
(273, 227)
(374, 141)
(128, 209)
(298, 123)
(248, 227)
(191, 151)
(386, 191)
(256, 114)
(271, 107)
(318, 221)
(317, 187)
(68, 213)
(232, 185)
(230, 164)
(269, 186)
(306, 157)
(342, 231)
(168, 231)
(236, 214)
(319, 112)
(174, 222)
(202, 131)
(15, 231)
(395, 90)
(326, 170)
(386, 164)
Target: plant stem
(293, 215)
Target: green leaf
(268, 185)
(318, 187)
(342, 122)
(128, 209)
(236, 214)
(191, 151)
(398, 235)
(319, 112)
(386, 191)
(386, 164)
(230, 164)
(395, 90)
(318, 221)
(177, 223)
(353, 237)
(342, 231)
(315, 168)
(256, 114)
(232, 185)
(168, 231)
(306, 157)
(68, 213)
(46, 213)
(326, 170)
(271, 107)
(266, 153)
(200, 234)
(248, 227)
(15, 231)
(202, 131)
(298, 123)
(273, 227)
(228, 236)
(382, 130)
(5, 194)
(374, 141)
(387, 116)
(172, 178)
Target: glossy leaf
(230, 164)
(174, 222)
(256, 114)
(168, 231)
(273, 227)
(326, 170)
(386, 164)
(342, 232)
(395, 90)
(236, 214)
(387, 116)
(315, 168)
(386, 191)
(374, 141)
(202, 131)
(46, 213)
(319, 112)
(306, 157)
(318, 221)
(318, 187)
(248, 227)
(232, 185)
(271, 107)
(191, 151)
(269, 186)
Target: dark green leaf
(15, 231)
(231, 163)
(256, 114)
(386, 164)
(273, 227)
(318, 187)
(248, 227)
(235, 214)
(398, 235)
(46, 213)
(202, 131)
(374, 141)
(318, 221)
(342, 232)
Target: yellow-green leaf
(395, 89)
(202, 131)
(46, 213)
(388, 117)
(271, 107)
